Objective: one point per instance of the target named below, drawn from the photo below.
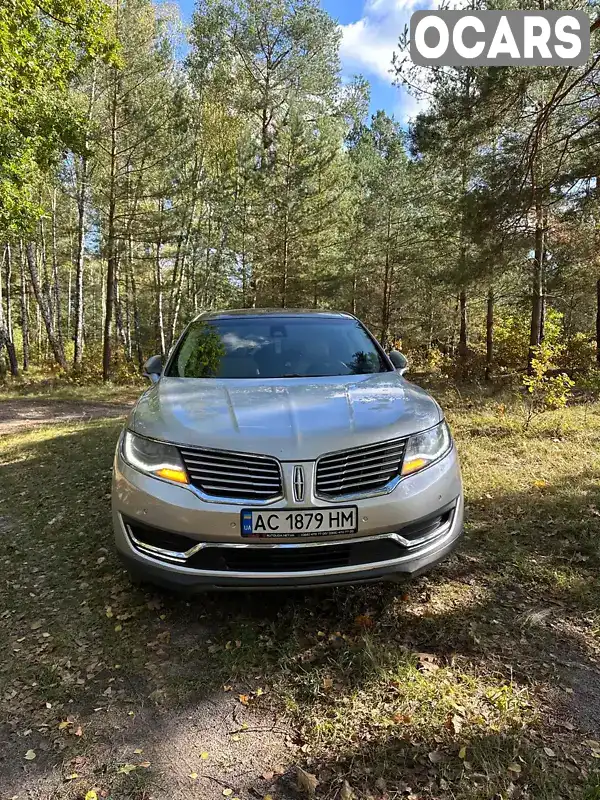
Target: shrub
(546, 391)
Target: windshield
(276, 347)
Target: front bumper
(405, 532)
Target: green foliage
(546, 391)
(511, 337)
(578, 355)
(42, 49)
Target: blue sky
(370, 31)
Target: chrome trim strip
(216, 574)
(433, 538)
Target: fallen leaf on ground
(462, 753)
(268, 776)
(204, 755)
(306, 781)
(364, 621)
(193, 775)
(244, 699)
(514, 767)
(30, 755)
(436, 756)
(549, 752)
(427, 662)
(328, 683)
(346, 793)
(144, 764)
(227, 792)
(126, 769)
(91, 795)
(138, 750)
(455, 723)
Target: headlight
(153, 458)
(425, 448)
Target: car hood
(293, 419)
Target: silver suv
(283, 448)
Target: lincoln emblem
(298, 483)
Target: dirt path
(23, 413)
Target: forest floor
(479, 681)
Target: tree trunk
(463, 337)
(55, 278)
(5, 334)
(24, 310)
(537, 282)
(160, 322)
(111, 262)
(9, 320)
(81, 222)
(598, 321)
(44, 309)
(385, 321)
(489, 334)
(80, 264)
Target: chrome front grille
(234, 476)
(362, 470)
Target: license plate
(314, 522)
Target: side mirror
(153, 368)
(399, 361)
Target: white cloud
(369, 43)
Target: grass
(36, 384)
(479, 681)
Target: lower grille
(304, 558)
(238, 476)
(155, 537)
(363, 470)
(287, 558)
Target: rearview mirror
(399, 361)
(153, 368)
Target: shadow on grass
(94, 668)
